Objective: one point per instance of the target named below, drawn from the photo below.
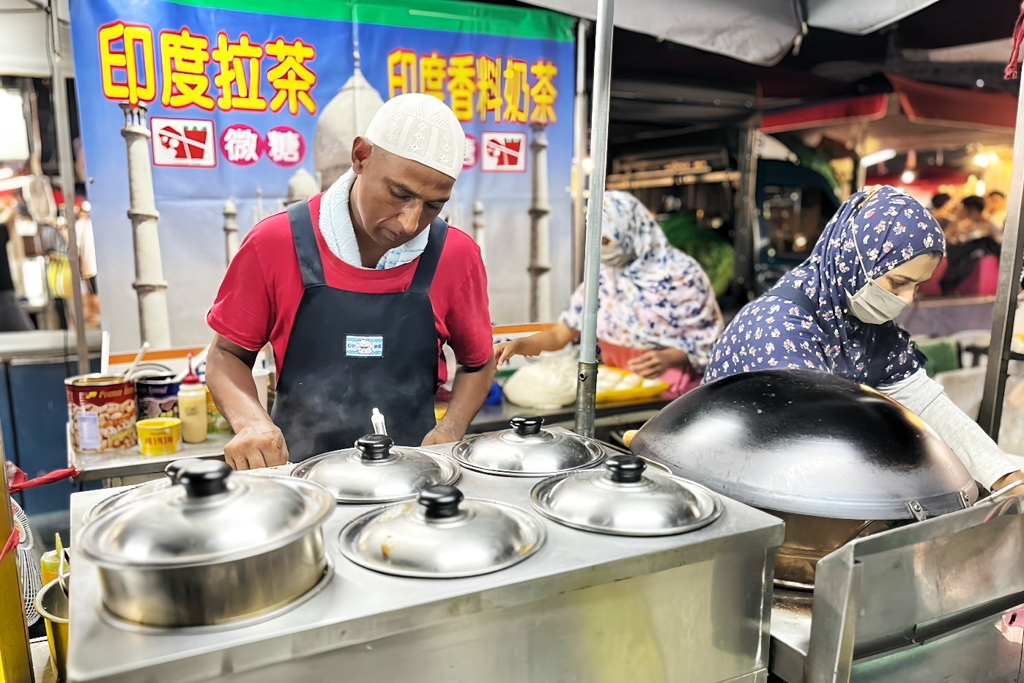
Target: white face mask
(874, 304)
(613, 255)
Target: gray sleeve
(979, 453)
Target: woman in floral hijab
(872, 237)
(835, 314)
(657, 311)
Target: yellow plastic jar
(159, 435)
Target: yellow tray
(630, 395)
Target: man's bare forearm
(229, 376)
(469, 392)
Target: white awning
(24, 44)
(756, 31)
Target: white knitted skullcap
(420, 128)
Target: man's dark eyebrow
(402, 189)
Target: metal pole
(586, 393)
(1010, 260)
(230, 231)
(59, 89)
(540, 233)
(746, 213)
(579, 203)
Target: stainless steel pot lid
(124, 497)
(209, 515)
(626, 499)
(442, 535)
(375, 471)
(527, 450)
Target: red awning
(869, 107)
(955, 106)
(928, 178)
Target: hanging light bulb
(908, 177)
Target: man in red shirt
(357, 290)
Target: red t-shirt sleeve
(243, 312)
(468, 317)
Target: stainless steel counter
(493, 418)
(45, 343)
(121, 467)
(586, 607)
(116, 466)
(933, 601)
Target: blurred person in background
(995, 208)
(657, 313)
(54, 239)
(13, 317)
(971, 223)
(972, 252)
(942, 209)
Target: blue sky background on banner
(191, 200)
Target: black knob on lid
(171, 471)
(525, 426)
(440, 501)
(626, 469)
(202, 478)
(375, 446)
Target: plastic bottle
(49, 565)
(192, 407)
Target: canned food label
(364, 347)
(88, 431)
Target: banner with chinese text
(246, 98)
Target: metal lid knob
(202, 478)
(626, 469)
(526, 426)
(441, 502)
(375, 446)
(171, 471)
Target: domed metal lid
(625, 500)
(527, 450)
(209, 515)
(127, 496)
(808, 443)
(375, 471)
(442, 535)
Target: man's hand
(444, 432)
(260, 444)
(652, 364)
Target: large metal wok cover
(810, 444)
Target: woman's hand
(653, 364)
(557, 337)
(1004, 481)
(504, 352)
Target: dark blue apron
(351, 352)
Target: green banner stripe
(443, 15)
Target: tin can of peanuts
(102, 412)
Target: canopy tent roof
(25, 38)
(758, 32)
